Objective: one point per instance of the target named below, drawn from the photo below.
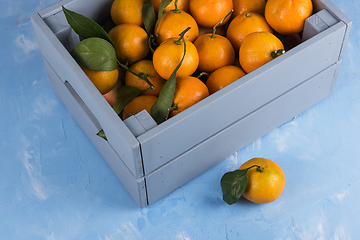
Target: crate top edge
(336, 12)
(53, 9)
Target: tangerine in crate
(259, 48)
(168, 55)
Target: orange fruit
(223, 77)
(288, 16)
(245, 6)
(168, 55)
(182, 5)
(130, 41)
(188, 91)
(146, 68)
(173, 23)
(211, 47)
(104, 81)
(127, 11)
(244, 24)
(265, 186)
(208, 13)
(257, 49)
(138, 104)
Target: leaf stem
(141, 75)
(178, 42)
(176, 7)
(258, 168)
(214, 28)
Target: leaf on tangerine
(233, 185)
(163, 5)
(84, 26)
(95, 54)
(124, 95)
(149, 16)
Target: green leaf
(85, 27)
(124, 95)
(101, 134)
(233, 185)
(95, 54)
(162, 106)
(149, 17)
(163, 5)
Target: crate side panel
(119, 136)
(215, 149)
(185, 130)
(135, 187)
(98, 11)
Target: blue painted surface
(55, 185)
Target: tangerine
(244, 24)
(130, 41)
(127, 11)
(257, 49)
(188, 91)
(104, 81)
(208, 13)
(138, 104)
(265, 183)
(168, 55)
(288, 16)
(213, 46)
(173, 23)
(223, 77)
(144, 67)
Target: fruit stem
(178, 42)
(277, 53)
(141, 75)
(222, 20)
(258, 168)
(176, 8)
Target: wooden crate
(152, 160)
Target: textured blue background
(55, 185)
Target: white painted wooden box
(152, 160)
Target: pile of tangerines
(225, 40)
